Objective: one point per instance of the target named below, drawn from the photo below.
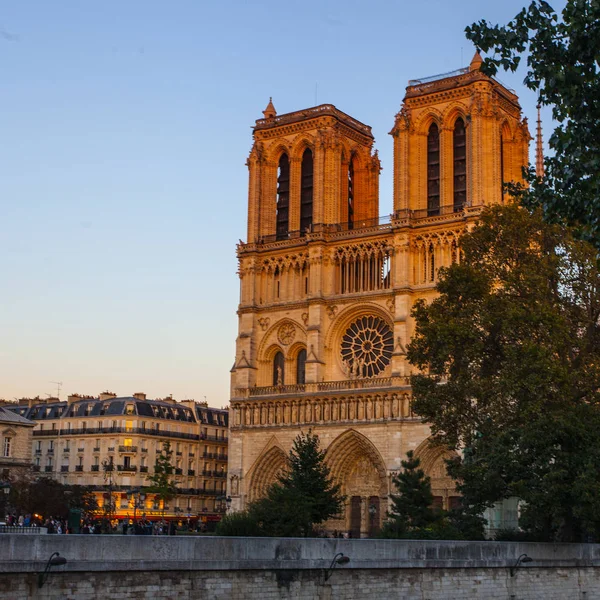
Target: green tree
(563, 68)
(303, 496)
(47, 497)
(162, 482)
(411, 507)
(509, 355)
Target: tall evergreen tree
(303, 496)
(411, 507)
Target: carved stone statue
(279, 375)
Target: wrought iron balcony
(97, 449)
(191, 472)
(143, 469)
(64, 469)
(95, 467)
(48, 468)
(79, 468)
(128, 468)
(127, 449)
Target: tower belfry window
(351, 195)
(460, 165)
(306, 192)
(283, 197)
(433, 171)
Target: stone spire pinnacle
(476, 61)
(539, 149)
(270, 111)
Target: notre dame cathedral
(327, 285)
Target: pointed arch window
(460, 165)
(283, 197)
(306, 192)
(278, 369)
(502, 166)
(433, 171)
(301, 367)
(351, 194)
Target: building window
(301, 367)
(351, 194)
(460, 165)
(7, 448)
(283, 197)
(433, 171)
(278, 369)
(306, 192)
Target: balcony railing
(127, 448)
(80, 449)
(191, 454)
(179, 453)
(95, 467)
(143, 469)
(178, 471)
(48, 468)
(162, 433)
(50, 451)
(36, 468)
(207, 473)
(66, 449)
(38, 450)
(191, 472)
(221, 456)
(64, 469)
(97, 449)
(111, 449)
(220, 474)
(127, 468)
(144, 449)
(79, 468)
(323, 386)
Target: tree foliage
(303, 496)
(411, 507)
(162, 481)
(563, 68)
(48, 497)
(509, 355)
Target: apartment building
(111, 444)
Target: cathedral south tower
(327, 285)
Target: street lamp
(228, 503)
(139, 498)
(521, 560)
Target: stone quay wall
(134, 567)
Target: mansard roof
(122, 406)
(8, 416)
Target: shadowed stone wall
(127, 567)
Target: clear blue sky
(125, 129)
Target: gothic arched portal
(358, 467)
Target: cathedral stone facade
(327, 285)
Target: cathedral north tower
(327, 285)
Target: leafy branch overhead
(562, 67)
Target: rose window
(286, 333)
(367, 347)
